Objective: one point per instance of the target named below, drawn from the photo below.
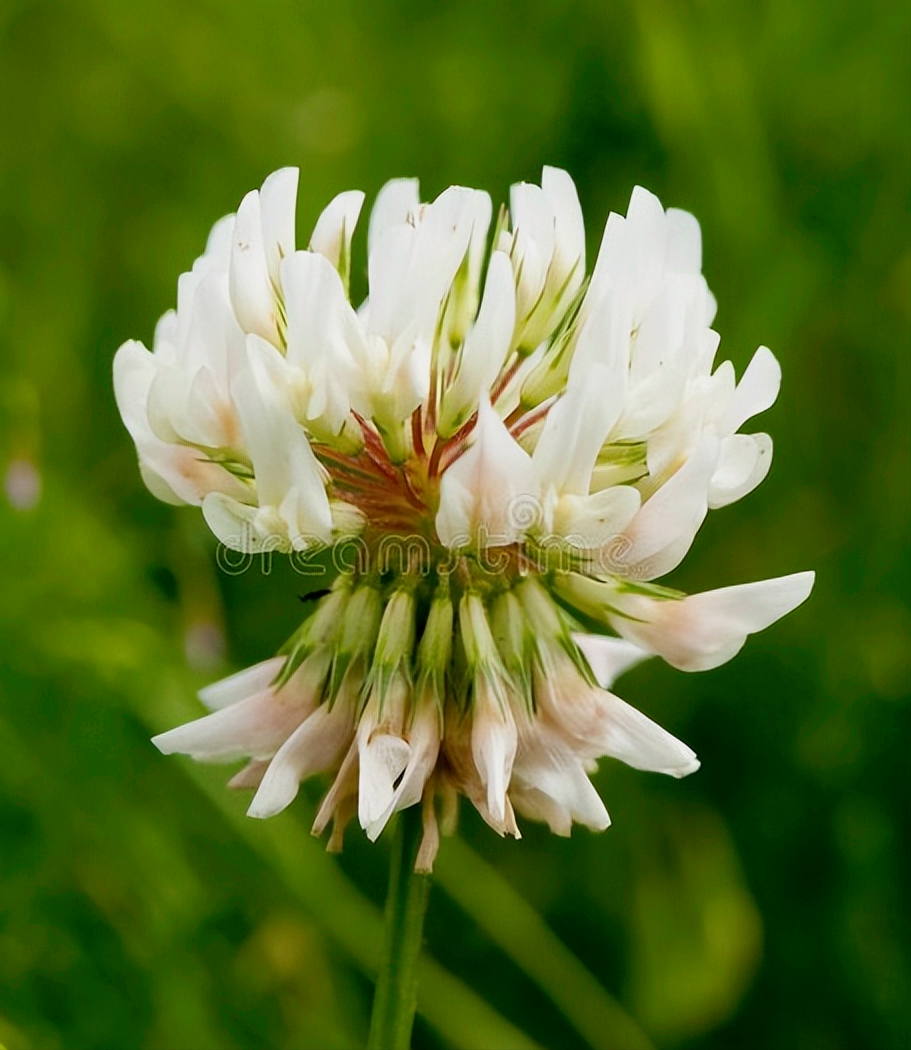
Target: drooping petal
(557, 790)
(493, 747)
(630, 736)
(316, 745)
(706, 630)
(254, 728)
(238, 686)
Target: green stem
(397, 987)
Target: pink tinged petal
(609, 657)
(430, 840)
(334, 228)
(757, 390)
(641, 743)
(684, 242)
(239, 686)
(482, 493)
(661, 533)
(173, 473)
(250, 777)
(530, 801)
(255, 727)
(315, 746)
(493, 748)
(744, 462)
(340, 795)
(157, 485)
(278, 201)
(250, 286)
(706, 630)
(396, 202)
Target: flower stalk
(395, 1000)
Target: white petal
(237, 525)
(661, 533)
(279, 449)
(383, 759)
(250, 286)
(757, 390)
(323, 334)
(484, 493)
(239, 686)
(744, 462)
(395, 202)
(569, 225)
(424, 744)
(597, 522)
(217, 256)
(316, 745)
(609, 657)
(134, 370)
(641, 743)
(278, 199)
(706, 630)
(684, 242)
(485, 347)
(558, 791)
(335, 227)
(255, 727)
(533, 243)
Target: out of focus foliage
(759, 903)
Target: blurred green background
(761, 903)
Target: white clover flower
(510, 448)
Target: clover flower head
(497, 448)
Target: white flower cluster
(522, 431)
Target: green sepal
(356, 635)
(392, 654)
(516, 643)
(318, 629)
